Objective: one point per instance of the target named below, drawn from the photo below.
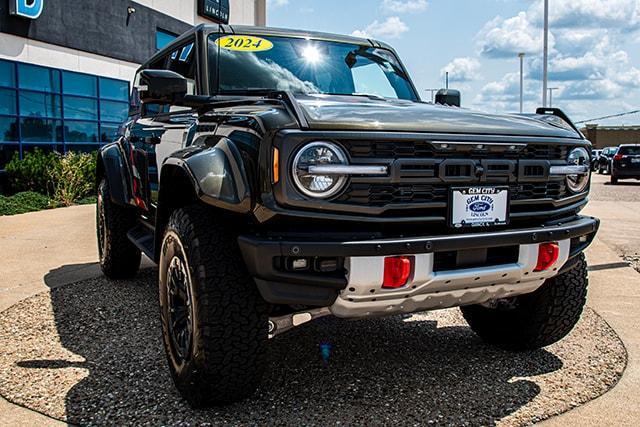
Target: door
(160, 131)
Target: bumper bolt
(295, 250)
(428, 246)
(534, 237)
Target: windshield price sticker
(479, 206)
(244, 43)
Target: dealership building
(66, 66)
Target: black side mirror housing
(448, 97)
(162, 87)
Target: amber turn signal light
(276, 165)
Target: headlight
(318, 154)
(578, 157)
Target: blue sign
(31, 9)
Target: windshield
(305, 66)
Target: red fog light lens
(547, 256)
(397, 271)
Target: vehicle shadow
(403, 369)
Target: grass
(27, 201)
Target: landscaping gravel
(91, 353)
(634, 261)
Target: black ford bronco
(279, 176)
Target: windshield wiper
(371, 96)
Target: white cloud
(278, 3)
(620, 14)
(503, 38)
(404, 6)
(462, 70)
(392, 27)
(585, 60)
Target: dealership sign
(218, 10)
(26, 8)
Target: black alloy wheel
(179, 304)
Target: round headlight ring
(316, 154)
(578, 157)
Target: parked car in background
(625, 164)
(604, 161)
(595, 157)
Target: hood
(338, 112)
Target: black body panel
(113, 166)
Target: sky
(594, 57)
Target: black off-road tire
(119, 258)
(225, 355)
(534, 320)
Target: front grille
(398, 194)
(426, 149)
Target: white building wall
(35, 52)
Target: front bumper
(284, 287)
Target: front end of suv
(337, 221)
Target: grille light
(315, 184)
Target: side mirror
(162, 87)
(448, 97)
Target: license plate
(479, 206)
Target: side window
(182, 61)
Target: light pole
(545, 60)
(551, 89)
(521, 56)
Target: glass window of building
(163, 38)
(38, 104)
(57, 110)
(80, 108)
(7, 74)
(114, 89)
(79, 84)
(38, 78)
(8, 101)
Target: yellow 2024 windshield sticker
(244, 43)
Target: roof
(286, 32)
(265, 31)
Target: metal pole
(545, 60)
(447, 81)
(551, 89)
(521, 56)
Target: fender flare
(218, 175)
(111, 165)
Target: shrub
(74, 177)
(23, 202)
(66, 178)
(34, 172)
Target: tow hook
(279, 325)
